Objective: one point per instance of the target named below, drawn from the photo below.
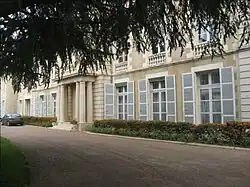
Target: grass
(14, 171)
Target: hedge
(232, 133)
(39, 121)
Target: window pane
(126, 108)
(154, 48)
(143, 109)
(170, 94)
(216, 93)
(227, 91)
(120, 108)
(155, 97)
(205, 118)
(164, 117)
(204, 94)
(188, 108)
(204, 106)
(163, 96)
(120, 89)
(156, 117)
(143, 97)
(162, 47)
(155, 85)
(216, 106)
(120, 99)
(215, 77)
(120, 116)
(155, 107)
(162, 83)
(228, 107)
(203, 79)
(126, 98)
(188, 80)
(171, 108)
(163, 107)
(188, 94)
(216, 118)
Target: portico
(75, 101)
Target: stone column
(62, 104)
(69, 101)
(82, 103)
(90, 102)
(58, 103)
(77, 102)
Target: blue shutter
(143, 108)
(130, 100)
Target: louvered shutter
(171, 98)
(227, 94)
(130, 100)
(109, 101)
(143, 108)
(188, 97)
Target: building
(150, 86)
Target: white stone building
(150, 86)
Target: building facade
(155, 85)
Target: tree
(34, 34)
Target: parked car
(12, 119)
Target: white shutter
(130, 100)
(170, 98)
(109, 101)
(143, 108)
(227, 94)
(45, 105)
(37, 106)
(49, 105)
(188, 97)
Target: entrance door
(210, 97)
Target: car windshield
(13, 115)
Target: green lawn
(14, 171)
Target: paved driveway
(72, 159)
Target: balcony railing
(121, 67)
(157, 59)
(200, 48)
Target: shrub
(39, 121)
(233, 133)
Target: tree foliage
(35, 34)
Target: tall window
(54, 104)
(43, 105)
(210, 97)
(159, 100)
(205, 35)
(122, 102)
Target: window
(204, 35)
(122, 102)
(159, 107)
(20, 106)
(54, 104)
(43, 105)
(158, 47)
(210, 97)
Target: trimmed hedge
(39, 121)
(232, 134)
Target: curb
(172, 142)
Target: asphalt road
(73, 159)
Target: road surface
(73, 159)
